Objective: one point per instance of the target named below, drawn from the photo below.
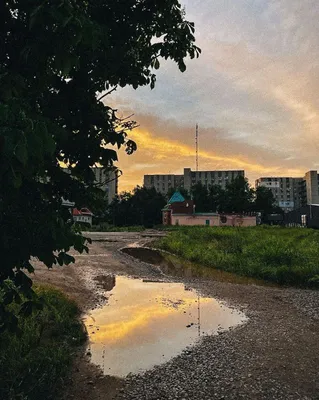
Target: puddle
(145, 323)
(174, 266)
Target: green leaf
(16, 179)
(182, 66)
(156, 64)
(26, 308)
(21, 152)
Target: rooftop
(176, 198)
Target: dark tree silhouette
(55, 57)
(142, 207)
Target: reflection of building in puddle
(146, 323)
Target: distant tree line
(143, 206)
(237, 197)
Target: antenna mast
(196, 143)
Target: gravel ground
(275, 355)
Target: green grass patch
(287, 256)
(34, 364)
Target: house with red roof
(84, 215)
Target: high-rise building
(309, 192)
(284, 189)
(292, 193)
(162, 183)
(107, 180)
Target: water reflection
(147, 323)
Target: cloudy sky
(253, 92)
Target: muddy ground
(273, 356)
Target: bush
(33, 364)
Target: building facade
(107, 180)
(179, 211)
(293, 193)
(286, 190)
(309, 192)
(162, 183)
(83, 216)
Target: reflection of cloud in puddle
(145, 320)
(174, 304)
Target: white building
(107, 180)
(162, 183)
(82, 216)
(292, 193)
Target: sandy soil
(274, 356)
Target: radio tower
(196, 142)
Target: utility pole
(196, 144)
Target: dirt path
(274, 356)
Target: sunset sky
(253, 92)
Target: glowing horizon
(253, 92)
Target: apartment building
(293, 193)
(162, 183)
(309, 192)
(107, 180)
(284, 189)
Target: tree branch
(107, 93)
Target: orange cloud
(160, 155)
(130, 320)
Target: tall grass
(34, 364)
(282, 255)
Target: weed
(33, 364)
(282, 255)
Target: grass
(34, 365)
(287, 256)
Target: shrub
(33, 364)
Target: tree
(217, 198)
(56, 56)
(239, 196)
(199, 194)
(142, 207)
(264, 200)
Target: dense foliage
(281, 255)
(33, 364)
(55, 57)
(237, 197)
(142, 207)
